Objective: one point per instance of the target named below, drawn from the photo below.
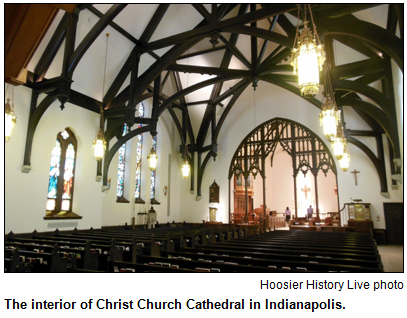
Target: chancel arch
(309, 157)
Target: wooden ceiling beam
(92, 35)
(51, 50)
(206, 70)
(154, 22)
(359, 68)
(206, 29)
(202, 11)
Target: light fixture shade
(10, 120)
(344, 162)
(152, 160)
(99, 146)
(307, 59)
(186, 168)
(329, 118)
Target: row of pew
(224, 249)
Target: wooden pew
(54, 262)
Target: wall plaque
(214, 193)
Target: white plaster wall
(26, 194)
(398, 86)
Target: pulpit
(359, 211)
(359, 217)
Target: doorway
(394, 217)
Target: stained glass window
(139, 153)
(53, 176)
(122, 165)
(152, 188)
(61, 173)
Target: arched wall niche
(309, 154)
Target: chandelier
(99, 144)
(186, 167)
(307, 56)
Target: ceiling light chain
(99, 144)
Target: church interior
(140, 132)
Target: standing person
(309, 212)
(287, 215)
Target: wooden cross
(356, 177)
(305, 190)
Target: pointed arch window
(139, 154)
(121, 169)
(61, 177)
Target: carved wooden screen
(307, 150)
(308, 153)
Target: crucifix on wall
(305, 190)
(356, 176)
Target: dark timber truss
(335, 22)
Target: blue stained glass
(122, 165)
(54, 171)
(139, 153)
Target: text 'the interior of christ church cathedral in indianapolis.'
(204, 138)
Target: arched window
(62, 175)
(139, 153)
(122, 166)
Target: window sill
(122, 200)
(61, 215)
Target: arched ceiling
(192, 59)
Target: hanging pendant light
(10, 118)
(344, 162)
(99, 144)
(186, 167)
(329, 116)
(338, 144)
(307, 57)
(152, 159)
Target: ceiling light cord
(102, 124)
(104, 72)
(254, 107)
